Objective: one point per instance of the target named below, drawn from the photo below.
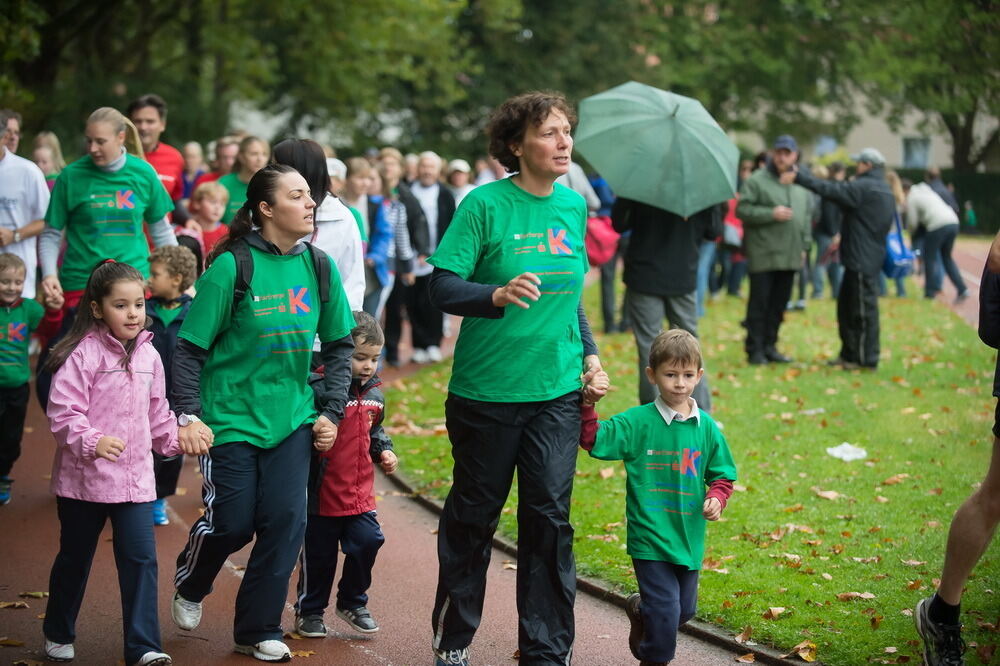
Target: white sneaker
(154, 659)
(186, 614)
(419, 356)
(272, 650)
(59, 651)
(434, 354)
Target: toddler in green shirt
(672, 450)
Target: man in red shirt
(149, 115)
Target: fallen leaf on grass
(826, 576)
(891, 650)
(609, 538)
(881, 500)
(913, 563)
(825, 494)
(851, 596)
(986, 652)
(806, 650)
(773, 613)
(894, 479)
(914, 584)
(10, 642)
(744, 635)
(748, 658)
(794, 508)
(13, 604)
(32, 595)
(607, 472)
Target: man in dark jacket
(868, 207)
(661, 264)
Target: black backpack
(244, 271)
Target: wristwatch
(184, 420)
(17, 235)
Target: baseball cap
(459, 165)
(336, 168)
(870, 155)
(786, 141)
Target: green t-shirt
(498, 232)
(16, 326)
(102, 213)
(360, 222)
(237, 195)
(166, 315)
(254, 385)
(668, 467)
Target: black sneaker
(310, 626)
(359, 618)
(943, 644)
(633, 609)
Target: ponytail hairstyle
(306, 157)
(245, 144)
(119, 123)
(260, 189)
(99, 285)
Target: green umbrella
(658, 148)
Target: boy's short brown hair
(675, 346)
(9, 260)
(367, 331)
(178, 260)
(212, 189)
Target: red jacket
(341, 479)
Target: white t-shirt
(337, 234)
(428, 198)
(24, 198)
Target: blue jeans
(938, 245)
(834, 271)
(706, 259)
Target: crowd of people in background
(381, 218)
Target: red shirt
(207, 178)
(169, 166)
(210, 238)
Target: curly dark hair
(510, 120)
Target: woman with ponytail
(240, 379)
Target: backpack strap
(321, 266)
(244, 272)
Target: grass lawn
(845, 548)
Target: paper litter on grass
(847, 452)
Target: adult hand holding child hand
(595, 381)
(110, 448)
(195, 439)
(324, 434)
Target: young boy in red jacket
(341, 502)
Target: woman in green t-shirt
(254, 154)
(240, 378)
(512, 263)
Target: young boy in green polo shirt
(19, 318)
(672, 450)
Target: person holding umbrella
(512, 263)
(776, 216)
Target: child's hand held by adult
(324, 434)
(594, 379)
(195, 439)
(110, 448)
(524, 286)
(389, 462)
(712, 509)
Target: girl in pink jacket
(107, 410)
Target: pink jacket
(92, 396)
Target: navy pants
(360, 537)
(669, 598)
(13, 407)
(857, 318)
(250, 491)
(938, 246)
(490, 441)
(135, 556)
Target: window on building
(916, 152)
